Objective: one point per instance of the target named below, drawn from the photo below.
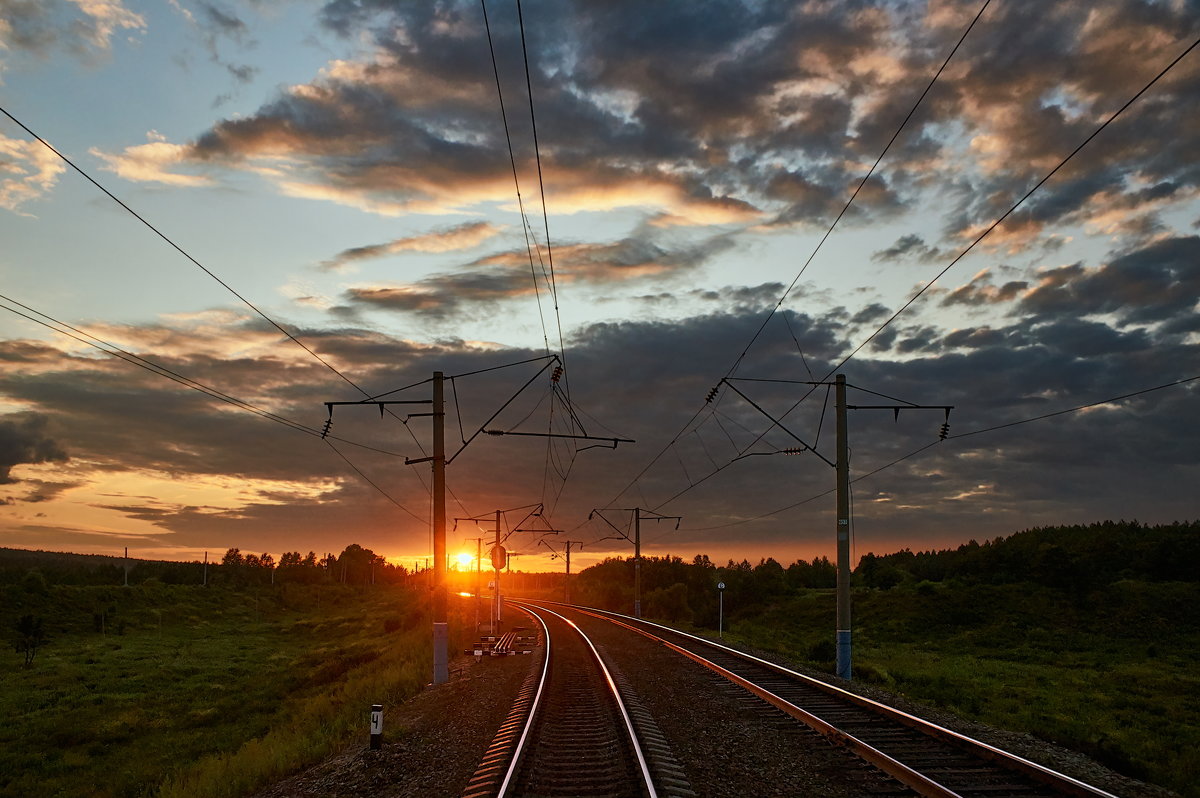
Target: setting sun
(464, 560)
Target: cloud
(151, 163)
(1159, 282)
(909, 247)
(459, 237)
(981, 291)
(23, 439)
(506, 275)
(82, 27)
(186, 472)
(28, 171)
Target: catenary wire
(859, 188)
(178, 248)
(213, 275)
(829, 232)
(962, 254)
(516, 182)
(372, 483)
(137, 360)
(970, 433)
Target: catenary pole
(843, 531)
(637, 562)
(441, 658)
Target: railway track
(571, 732)
(928, 759)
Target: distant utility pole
(636, 540)
(842, 489)
(567, 544)
(567, 583)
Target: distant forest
(1071, 558)
(355, 566)
(1075, 559)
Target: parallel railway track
(570, 732)
(929, 759)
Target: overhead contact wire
(516, 182)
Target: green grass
(1110, 674)
(198, 692)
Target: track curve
(927, 758)
(570, 732)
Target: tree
(29, 636)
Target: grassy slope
(231, 688)
(1111, 674)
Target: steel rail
(519, 749)
(1060, 781)
(643, 767)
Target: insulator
(945, 431)
(556, 374)
(795, 450)
(712, 394)
(328, 424)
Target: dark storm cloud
(643, 379)
(1157, 283)
(24, 439)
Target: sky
(274, 205)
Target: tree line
(1073, 558)
(35, 570)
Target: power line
(371, 482)
(113, 350)
(932, 444)
(541, 183)
(828, 232)
(516, 182)
(857, 189)
(207, 271)
(176, 247)
(962, 254)
(155, 368)
(1016, 205)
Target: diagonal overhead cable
(541, 184)
(688, 424)
(201, 266)
(176, 247)
(109, 348)
(962, 254)
(969, 433)
(1016, 205)
(529, 246)
(858, 189)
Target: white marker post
(376, 726)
